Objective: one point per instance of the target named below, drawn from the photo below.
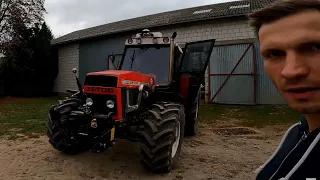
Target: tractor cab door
(195, 58)
(192, 66)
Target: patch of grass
(24, 116)
(251, 116)
(28, 116)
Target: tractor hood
(128, 79)
(111, 73)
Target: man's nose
(295, 66)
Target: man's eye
(274, 54)
(316, 47)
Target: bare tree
(18, 13)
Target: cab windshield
(152, 60)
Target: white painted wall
(68, 58)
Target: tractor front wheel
(59, 133)
(162, 137)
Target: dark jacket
(297, 156)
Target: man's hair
(279, 9)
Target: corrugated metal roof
(200, 13)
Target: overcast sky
(65, 16)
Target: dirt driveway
(217, 152)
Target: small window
(116, 62)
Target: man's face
(291, 50)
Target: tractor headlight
(89, 102)
(110, 104)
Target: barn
(234, 75)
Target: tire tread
(158, 136)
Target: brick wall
(221, 30)
(68, 59)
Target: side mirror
(74, 70)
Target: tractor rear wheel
(162, 137)
(192, 121)
(58, 131)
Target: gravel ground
(219, 151)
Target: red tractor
(152, 97)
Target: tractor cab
(178, 69)
(170, 63)
(147, 53)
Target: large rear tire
(192, 117)
(162, 137)
(59, 133)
